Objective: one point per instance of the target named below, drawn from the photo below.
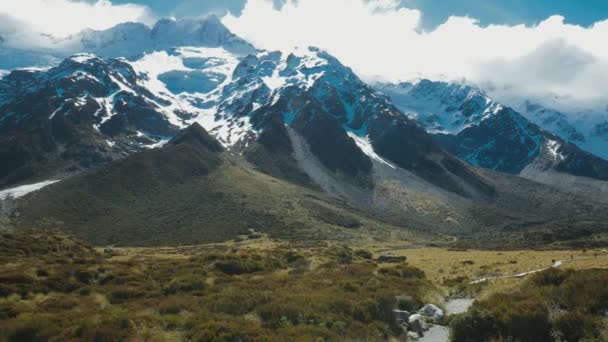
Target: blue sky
(434, 12)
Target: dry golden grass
(439, 264)
(442, 265)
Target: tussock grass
(216, 293)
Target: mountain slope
(131, 106)
(193, 191)
(292, 125)
(586, 129)
(188, 191)
(83, 112)
(468, 123)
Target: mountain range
(467, 122)
(184, 132)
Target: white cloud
(64, 17)
(380, 38)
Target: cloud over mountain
(64, 17)
(381, 38)
(377, 38)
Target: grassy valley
(55, 288)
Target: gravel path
(557, 263)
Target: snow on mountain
(587, 129)
(127, 40)
(222, 91)
(470, 124)
(446, 108)
(98, 109)
(23, 190)
(130, 40)
(83, 112)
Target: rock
(391, 258)
(108, 251)
(432, 311)
(416, 324)
(401, 316)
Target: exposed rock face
(468, 123)
(84, 112)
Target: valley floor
(55, 288)
(441, 265)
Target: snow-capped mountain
(130, 40)
(586, 129)
(445, 108)
(83, 112)
(91, 110)
(268, 117)
(127, 40)
(470, 124)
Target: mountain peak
(213, 19)
(197, 135)
(84, 58)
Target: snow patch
(83, 58)
(35, 69)
(24, 189)
(160, 143)
(553, 147)
(441, 107)
(275, 81)
(366, 147)
(55, 112)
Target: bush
(525, 315)
(173, 305)
(576, 326)
(186, 283)
(550, 277)
(472, 326)
(239, 266)
(124, 295)
(32, 329)
(8, 311)
(103, 332)
(213, 331)
(403, 271)
(362, 253)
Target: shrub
(472, 326)
(239, 266)
(277, 314)
(525, 316)
(575, 326)
(550, 277)
(362, 253)
(7, 311)
(62, 303)
(173, 305)
(213, 331)
(185, 283)
(124, 295)
(103, 332)
(83, 276)
(403, 271)
(42, 273)
(32, 329)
